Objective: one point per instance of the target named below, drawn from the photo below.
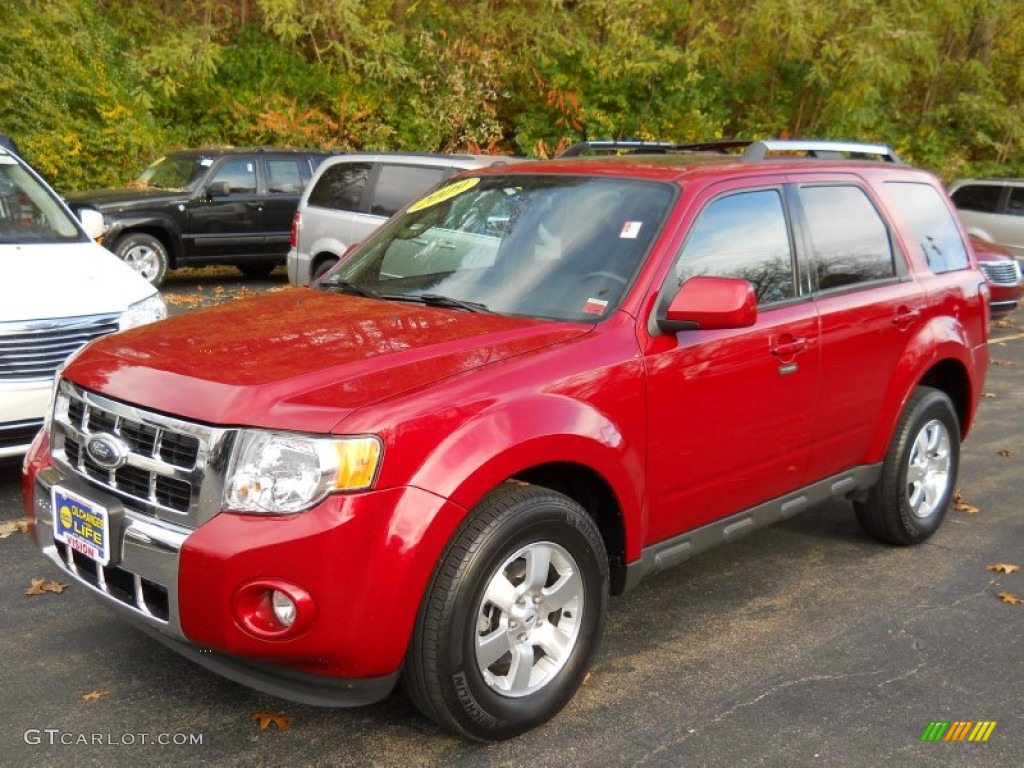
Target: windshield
(29, 212)
(558, 247)
(174, 172)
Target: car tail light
(293, 240)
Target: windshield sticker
(445, 193)
(630, 230)
(595, 307)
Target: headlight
(275, 473)
(142, 312)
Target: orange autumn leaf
(1009, 598)
(42, 586)
(1006, 454)
(266, 719)
(1002, 568)
(962, 506)
(95, 695)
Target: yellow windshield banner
(444, 193)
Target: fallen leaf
(94, 695)
(586, 677)
(1009, 598)
(962, 506)
(1002, 568)
(266, 719)
(1003, 323)
(1006, 454)
(42, 586)
(13, 526)
(988, 395)
(1005, 363)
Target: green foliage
(95, 89)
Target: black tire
(145, 254)
(321, 268)
(511, 529)
(257, 269)
(918, 478)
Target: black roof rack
(753, 151)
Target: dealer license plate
(81, 524)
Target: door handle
(789, 347)
(904, 317)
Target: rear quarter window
(931, 224)
(399, 185)
(983, 198)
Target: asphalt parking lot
(803, 644)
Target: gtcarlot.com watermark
(55, 736)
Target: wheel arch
(164, 230)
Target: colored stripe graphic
(958, 730)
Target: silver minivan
(351, 195)
(993, 210)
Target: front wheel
(911, 498)
(145, 254)
(512, 616)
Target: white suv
(58, 290)
(351, 195)
(993, 210)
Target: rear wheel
(145, 254)
(911, 498)
(512, 617)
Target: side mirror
(710, 303)
(218, 189)
(92, 222)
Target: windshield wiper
(344, 286)
(437, 300)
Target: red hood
(300, 359)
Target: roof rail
(753, 151)
(826, 150)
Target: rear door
(869, 309)
(731, 412)
(282, 180)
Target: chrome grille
(173, 470)
(1001, 272)
(34, 350)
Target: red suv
(531, 388)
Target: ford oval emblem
(106, 450)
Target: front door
(226, 219)
(731, 412)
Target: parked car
(535, 386)
(58, 289)
(992, 210)
(351, 195)
(1003, 273)
(205, 206)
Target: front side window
(850, 241)
(239, 176)
(558, 247)
(340, 187)
(29, 212)
(398, 185)
(983, 198)
(931, 223)
(746, 236)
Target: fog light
(284, 608)
(273, 609)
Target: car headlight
(275, 473)
(141, 312)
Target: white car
(58, 289)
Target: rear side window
(977, 197)
(931, 223)
(746, 236)
(284, 176)
(341, 187)
(850, 241)
(1015, 205)
(399, 185)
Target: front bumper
(357, 555)
(22, 405)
